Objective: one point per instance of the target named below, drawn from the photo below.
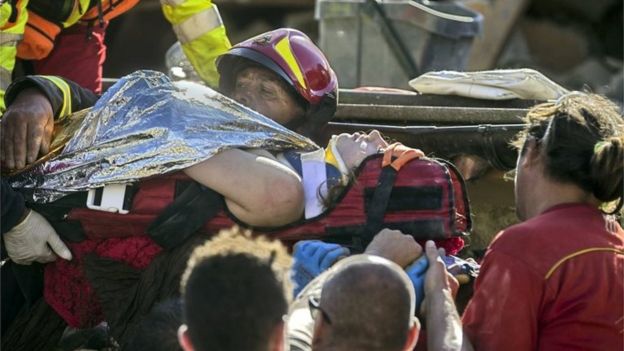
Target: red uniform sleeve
(503, 313)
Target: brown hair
(581, 136)
(335, 192)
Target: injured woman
(147, 131)
(146, 126)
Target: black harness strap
(379, 204)
(185, 215)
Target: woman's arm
(258, 189)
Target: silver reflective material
(178, 66)
(145, 125)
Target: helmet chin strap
(296, 123)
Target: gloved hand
(312, 257)
(416, 272)
(29, 240)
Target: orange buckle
(402, 154)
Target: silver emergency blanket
(145, 125)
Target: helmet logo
(285, 51)
(263, 40)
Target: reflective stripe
(61, 84)
(203, 59)
(9, 39)
(197, 25)
(80, 8)
(578, 253)
(283, 48)
(5, 78)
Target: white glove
(29, 240)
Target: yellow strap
(581, 252)
(64, 87)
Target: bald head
(370, 303)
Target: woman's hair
(581, 136)
(335, 191)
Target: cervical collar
(333, 157)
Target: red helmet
(293, 56)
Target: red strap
(402, 154)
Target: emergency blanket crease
(145, 125)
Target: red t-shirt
(554, 282)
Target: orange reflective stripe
(578, 253)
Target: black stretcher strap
(185, 216)
(379, 203)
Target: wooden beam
(499, 19)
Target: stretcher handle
(402, 155)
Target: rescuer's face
(524, 179)
(264, 92)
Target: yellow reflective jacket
(13, 17)
(199, 29)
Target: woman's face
(262, 91)
(354, 148)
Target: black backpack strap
(395, 156)
(379, 204)
(187, 214)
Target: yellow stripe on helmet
(283, 48)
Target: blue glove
(312, 257)
(416, 272)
